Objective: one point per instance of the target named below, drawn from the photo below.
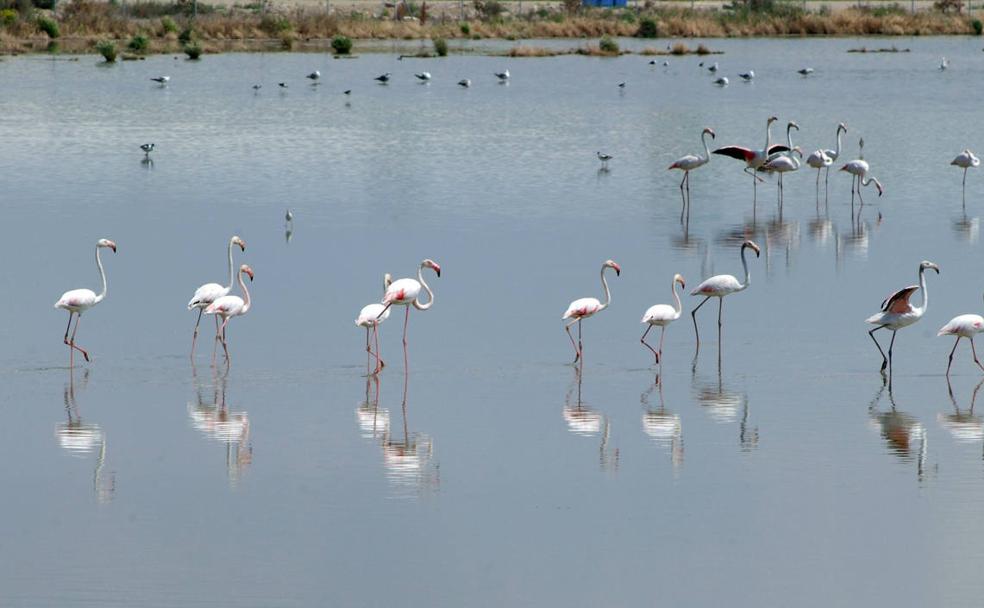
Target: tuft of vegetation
(139, 44)
(441, 47)
(978, 26)
(275, 24)
(193, 50)
(8, 17)
(49, 26)
(341, 44)
(608, 45)
(648, 28)
(168, 26)
(107, 48)
(465, 29)
(186, 35)
(533, 51)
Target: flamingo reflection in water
(662, 426)
(904, 435)
(409, 457)
(80, 439)
(212, 417)
(966, 426)
(725, 406)
(374, 422)
(585, 421)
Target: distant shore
(138, 29)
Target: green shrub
(341, 44)
(465, 29)
(647, 28)
(441, 47)
(53, 47)
(107, 48)
(978, 26)
(186, 35)
(48, 26)
(608, 45)
(8, 17)
(193, 50)
(139, 44)
(168, 25)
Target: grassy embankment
(159, 27)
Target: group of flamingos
(896, 311)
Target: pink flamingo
(963, 326)
(897, 312)
(755, 158)
(690, 162)
(228, 307)
(720, 286)
(586, 307)
(371, 316)
(78, 301)
(406, 292)
(662, 315)
(209, 292)
(859, 168)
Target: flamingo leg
(891, 345)
(580, 345)
(379, 361)
(964, 195)
(720, 307)
(222, 333)
(688, 194)
(693, 315)
(662, 332)
(71, 341)
(683, 198)
(953, 350)
(974, 350)
(194, 336)
(368, 351)
(884, 358)
(577, 352)
(406, 323)
(646, 344)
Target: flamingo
(604, 158)
(965, 160)
(371, 316)
(963, 326)
(817, 158)
(784, 163)
(77, 301)
(859, 169)
(406, 292)
(690, 162)
(228, 307)
(897, 312)
(754, 158)
(662, 315)
(720, 286)
(586, 307)
(210, 292)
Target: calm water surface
(495, 475)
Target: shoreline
(80, 26)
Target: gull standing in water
(604, 158)
(147, 149)
(161, 80)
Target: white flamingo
(963, 326)
(720, 286)
(859, 168)
(784, 163)
(77, 301)
(406, 292)
(897, 312)
(965, 160)
(371, 316)
(690, 162)
(820, 159)
(228, 307)
(585, 307)
(662, 315)
(210, 292)
(754, 158)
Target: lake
(494, 473)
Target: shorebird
(604, 158)
(161, 79)
(747, 76)
(713, 67)
(347, 92)
(944, 63)
(503, 76)
(314, 75)
(147, 148)
(425, 76)
(805, 71)
(257, 87)
(464, 82)
(722, 81)
(289, 216)
(621, 85)
(282, 85)
(383, 78)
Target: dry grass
(534, 51)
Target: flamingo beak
(242, 245)
(112, 246)
(618, 270)
(936, 268)
(249, 271)
(437, 269)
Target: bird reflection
(966, 427)
(374, 423)
(967, 228)
(821, 228)
(80, 438)
(903, 434)
(408, 457)
(211, 416)
(725, 406)
(147, 163)
(662, 426)
(584, 421)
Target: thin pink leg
(406, 322)
(661, 334)
(71, 341)
(646, 344)
(379, 360)
(577, 352)
(194, 337)
(222, 332)
(368, 351)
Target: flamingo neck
(837, 150)
(707, 153)
(246, 301)
(430, 294)
(604, 285)
(789, 139)
(922, 286)
(744, 264)
(231, 274)
(102, 275)
(768, 137)
(676, 296)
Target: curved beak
(242, 245)
(112, 246)
(437, 269)
(249, 271)
(935, 267)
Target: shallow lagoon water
(492, 476)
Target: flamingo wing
(777, 148)
(898, 302)
(736, 152)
